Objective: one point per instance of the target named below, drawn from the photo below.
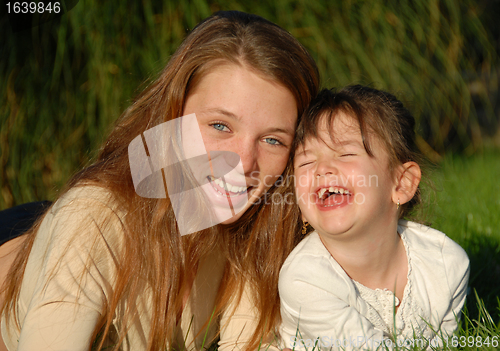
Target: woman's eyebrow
(220, 111)
(288, 131)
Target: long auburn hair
(256, 245)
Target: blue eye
(272, 141)
(219, 126)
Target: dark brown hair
(153, 248)
(378, 114)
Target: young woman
(107, 267)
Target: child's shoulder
(310, 263)
(309, 252)
(311, 245)
(422, 237)
(439, 266)
(432, 246)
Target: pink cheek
(272, 172)
(303, 196)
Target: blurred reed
(63, 83)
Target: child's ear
(408, 178)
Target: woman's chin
(236, 211)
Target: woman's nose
(249, 153)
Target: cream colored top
(319, 298)
(406, 322)
(70, 274)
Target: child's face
(340, 188)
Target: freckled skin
(240, 111)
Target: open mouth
(227, 189)
(332, 196)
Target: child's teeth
(334, 190)
(322, 192)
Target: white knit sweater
(319, 300)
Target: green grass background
(64, 82)
(466, 206)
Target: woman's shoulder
(82, 231)
(72, 263)
(81, 215)
(87, 201)
(89, 198)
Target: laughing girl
(365, 277)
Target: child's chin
(331, 228)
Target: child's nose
(326, 168)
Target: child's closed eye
(302, 164)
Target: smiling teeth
(228, 187)
(333, 190)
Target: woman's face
(239, 111)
